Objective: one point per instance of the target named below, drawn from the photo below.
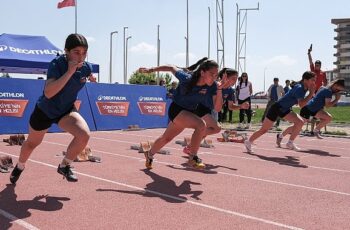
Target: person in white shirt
(244, 92)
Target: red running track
(274, 188)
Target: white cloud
(90, 39)
(144, 48)
(280, 60)
(182, 57)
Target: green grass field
(340, 114)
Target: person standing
(66, 76)
(244, 91)
(274, 93)
(321, 79)
(287, 87)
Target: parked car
(259, 95)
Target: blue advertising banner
(117, 106)
(17, 101)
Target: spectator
(227, 95)
(172, 90)
(274, 93)
(162, 82)
(287, 87)
(244, 92)
(321, 79)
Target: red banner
(113, 108)
(152, 108)
(12, 107)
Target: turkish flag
(65, 3)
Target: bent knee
(83, 136)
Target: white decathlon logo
(3, 48)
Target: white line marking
(18, 221)
(174, 198)
(229, 174)
(225, 155)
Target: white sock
(21, 165)
(65, 162)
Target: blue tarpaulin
(27, 54)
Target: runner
(283, 109)
(66, 76)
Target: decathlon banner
(17, 101)
(117, 106)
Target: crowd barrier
(103, 106)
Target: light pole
(209, 34)
(124, 29)
(187, 38)
(158, 52)
(110, 57)
(126, 60)
(264, 77)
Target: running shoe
(248, 146)
(196, 162)
(292, 146)
(278, 140)
(16, 172)
(149, 160)
(67, 173)
(317, 134)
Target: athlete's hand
(312, 89)
(145, 70)
(337, 96)
(74, 65)
(92, 78)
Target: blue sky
(278, 35)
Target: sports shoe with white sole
(317, 134)
(278, 140)
(292, 146)
(248, 146)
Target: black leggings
(245, 111)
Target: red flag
(65, 3)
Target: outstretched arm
(310, 58)
(164, 68)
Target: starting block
(17, 139)
(232, 136)
(146, 146)
(133, 128)
(207, 143)
(185, 142)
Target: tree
(149, 78)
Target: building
(343, 50)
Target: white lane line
(18, 221)
(174, 198)
(231, 156)
(224, 173)
(330, 145)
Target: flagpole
(76, 16)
